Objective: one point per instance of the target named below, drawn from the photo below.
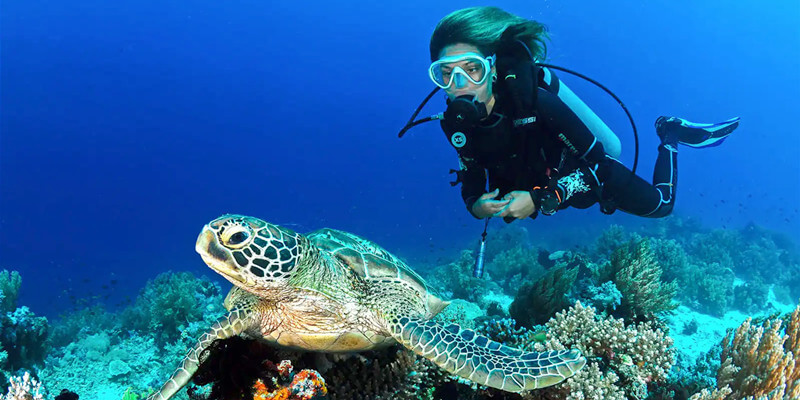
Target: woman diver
(513, 123)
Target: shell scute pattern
(369, 260)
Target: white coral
(24, 388)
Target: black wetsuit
(561, 150)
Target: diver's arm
(473, 182)
(559, 120)
(588, 118)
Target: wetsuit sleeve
(473, 181)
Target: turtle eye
(235, 237)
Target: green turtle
(333, 291)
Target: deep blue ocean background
(125, 126)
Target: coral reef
(515, 265)
(610, 240)
(10, 282)
(760, 361)
(630, 354)
(751, 296)
(636, 273)
(244, 368)
(605, 298)
(709, 288)
(716, 394)
(393, 373)
(168, 301)
(507, 238)
(635, 356)
(23, 388)
(304, 385)
(537, 301)
(23, 335)
(239, 368)
(461, 312)
(125, 355)
(505, 331)
(455, 280)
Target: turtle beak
(210, 250)
(216, 256)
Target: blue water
(128, 125)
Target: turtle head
(251, 253)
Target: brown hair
(482, 27)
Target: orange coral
(262, 392)
(760, 362)
(305, 385)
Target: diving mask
(470, 66)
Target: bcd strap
(459, 177)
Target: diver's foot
(674, 130)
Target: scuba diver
(513, 123)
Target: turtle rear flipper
(231, 325)
(477, 358)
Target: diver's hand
(520, 205)
(487, 206)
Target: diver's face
(460, 87)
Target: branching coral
(456, 280)
(717, 394)
(590, 383)
(639, 354)
(23, 335)
(394, 373)
(536, 302)
(10, 281)
(637, 275)
(23, 388)
(710, 288)
(504, 331)
(760, 361)
(169, 302)
(304, 385)
(514, 266)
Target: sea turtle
(333, 291)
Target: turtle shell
(374, 264)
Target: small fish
(540, 336)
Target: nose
(205, 238)
(460, 81)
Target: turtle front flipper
(233, 324)
(477, 358)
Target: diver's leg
(630, 193)
(674, 131)
(635, 195)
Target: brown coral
(536, 302)
(393, 373)
(759, 362)
(717, 394)
(643, 345)
(637, 275)
(637, 354)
